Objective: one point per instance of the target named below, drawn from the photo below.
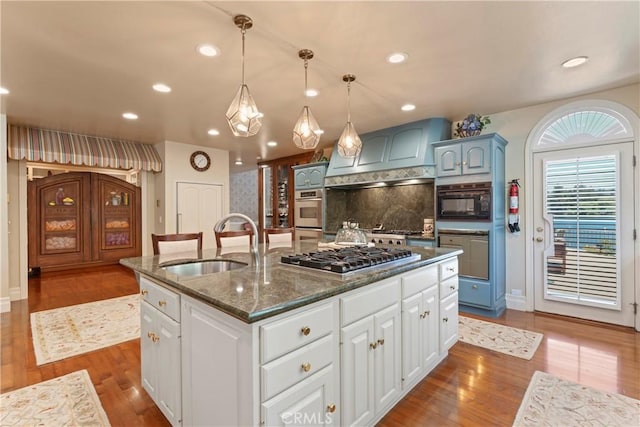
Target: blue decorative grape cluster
(471, 125)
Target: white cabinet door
(411, 338)
(310, 402)
(160, 359)
(430, 328)
(148, 364)
(357, 373)
(387, 356)
(448, 322)
(168, 363)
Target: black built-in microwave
(470, 201)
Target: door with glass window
(583, 232)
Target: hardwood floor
(472, 387)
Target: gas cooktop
(349, 259)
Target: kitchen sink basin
(200, 268)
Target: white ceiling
(77, 66)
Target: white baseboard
(5, 305)
(15, 294)
(516, 302)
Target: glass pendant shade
(306, 132)
(349, 144)
(243, 115)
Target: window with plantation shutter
(581, 197)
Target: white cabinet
(160, 349)
(448, 272)
(420, 324)
(371, 352)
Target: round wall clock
(200, 161)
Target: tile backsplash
(401, 207)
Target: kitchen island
(276, 344)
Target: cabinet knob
(451, 269)
(162, 303)
(453, 288)
(445, 319)
(305, 330)
(155, 338)
(373, 345)
(144, 292)
(474, 286)
(457, 163)
(422, 315)
(464, 163)
(306, 367)
(331, 408)
(426, 313)
(150, 334)
(381, 341)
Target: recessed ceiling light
(408, 107)
(272, 143)
(238, 162)
(3, 91)
(208, 50)
(397, 58)
(130, 116)
(574, 62)
(311, 92)
(161, 87)
(213, 132)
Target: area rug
(504, 339)
(77, 329)
(551, 401)
(70, 400)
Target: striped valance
(40, 145)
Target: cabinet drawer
(448, 268)
(449, 286)
(419, 280)
(476, 293)
(291, 368)
(371, 300)
(285, 335)
(161, 298)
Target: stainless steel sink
(200, 268)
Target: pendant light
(243, 115)
(349, 144)
(306, 132)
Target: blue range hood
(398, 154)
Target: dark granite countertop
(253, 293)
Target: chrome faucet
(254, 244)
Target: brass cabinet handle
(373, 345)
(306, 367)
(331, 408)
(150, 334)
(162, 303)
(445, 319)
(381, 341)
(305, 330)
(155, 338)
(144, 292)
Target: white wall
(515, 126)
(5, 302)
(177, 168)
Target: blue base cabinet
(478, 159)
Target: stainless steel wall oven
(308, 208)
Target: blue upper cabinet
(466, 156)
(398, 147)
(309, 175)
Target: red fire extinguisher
(513, 197)
(514, 218)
